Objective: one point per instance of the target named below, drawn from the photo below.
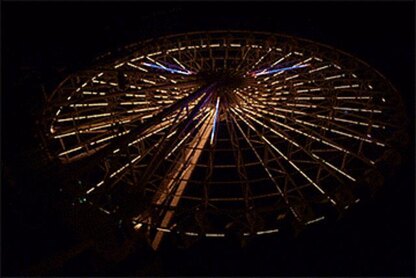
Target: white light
(315, 220)
(268, 231)
(191, 234)
(138, 226)
(119, 65)
(214, 235)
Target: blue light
(166, 68)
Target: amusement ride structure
(207, 134)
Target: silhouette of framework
(210, 133)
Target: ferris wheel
(204, 134)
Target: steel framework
(206, 133)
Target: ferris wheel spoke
(259, 60)
(351, 133)
(280, 191)
(287, 175)
(117, 175)
(243, 59)
(174, 187)
(276, 71)
(143, 93)
(238, 156)
(182, 129)
(183, 140)
(287, 159)
(322, 162)
(316, 137)
(126, 136)
(312, 135)
(95, 143)
(164, 66)
(184, 165)
(374, 124)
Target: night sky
(43, 42)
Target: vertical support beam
(188, 162)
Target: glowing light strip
(64, 135)
(155, 53)
(346, 86)
(333, 167)
(135, 103)
(135, 95)
(88, 104)
(350, 121)
(353, 98)
(84, 117)
(191, 234)
(93, 93)
(148, 81)
(267, 232)
(358, 109)
(281, 59)
(315, 220)
(319, 69)
(261, 58)
(267, 72)
(180, 64)
(309, 90)
(215, 121)
(91, 128)
(334, 77)
(137, 67)
(300, 105)
(144, 109)
(292, 77)
(109, 137)
(70, 151)
(104, 82)
(214, 235)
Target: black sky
(44, 41)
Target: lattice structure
(224, 131)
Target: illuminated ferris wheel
(204, 134)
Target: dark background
(43, 42)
